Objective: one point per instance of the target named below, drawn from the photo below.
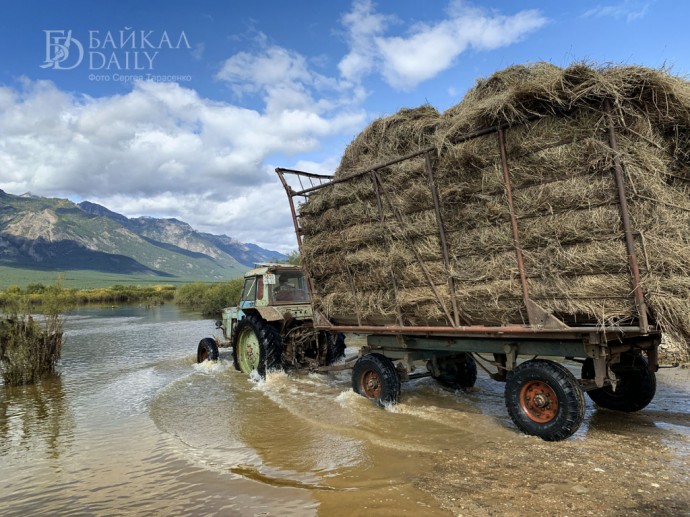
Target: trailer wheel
(457, 372)
(256, 346)
(635, 389)
(374, 377)
(544, 399)
(336, 347)
(207, 350)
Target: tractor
(272, 327)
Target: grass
(80, 279)
(208, 298)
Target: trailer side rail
(299, 185)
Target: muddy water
(134, 426)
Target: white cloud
(163, 150)
(251, 72)
(362, 25)
(427, 49)
(284, 79)
(198, 51)
(628, 10)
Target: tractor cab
(274, 285)
(274, 291)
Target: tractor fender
(269, 313)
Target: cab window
(249, 290)
(290, 286)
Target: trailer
(543, 397)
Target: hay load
(372, 244)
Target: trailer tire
(252, 337)
(374, 376)
(458, 372)
(207, 350)
(335, 348)
(635, 389)
(544, 399)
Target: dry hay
(390, 137)
(561, 173)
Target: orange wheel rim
(371, 384)
(539, 401)
(203, 355)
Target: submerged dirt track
(622, 464)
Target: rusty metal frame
(542, 323)
(418, 257)
(592, 333)
(640, 303)
(382, 220)
(442, 237)
(513, 217)
(295, 219)
(458, 140)
(536, 315)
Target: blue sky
(183, 109)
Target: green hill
(90, 245)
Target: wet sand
(622, 464)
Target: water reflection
(36, 418)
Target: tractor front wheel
(207, 350)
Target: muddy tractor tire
(635, 389)
(374, 377)
(457, 372)
(256, 345)
(336, 347)
(544, 399)
(207, 350)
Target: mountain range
(90, 245)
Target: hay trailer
(542, 396)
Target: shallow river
(133, 426)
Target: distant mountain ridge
(38, 233)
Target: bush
(29, 351)
(37, 288)
(294, 258)
(210, 299)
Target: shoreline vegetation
(208, 298)
(30, 346)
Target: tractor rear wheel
(256, 345)
(335, 347)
